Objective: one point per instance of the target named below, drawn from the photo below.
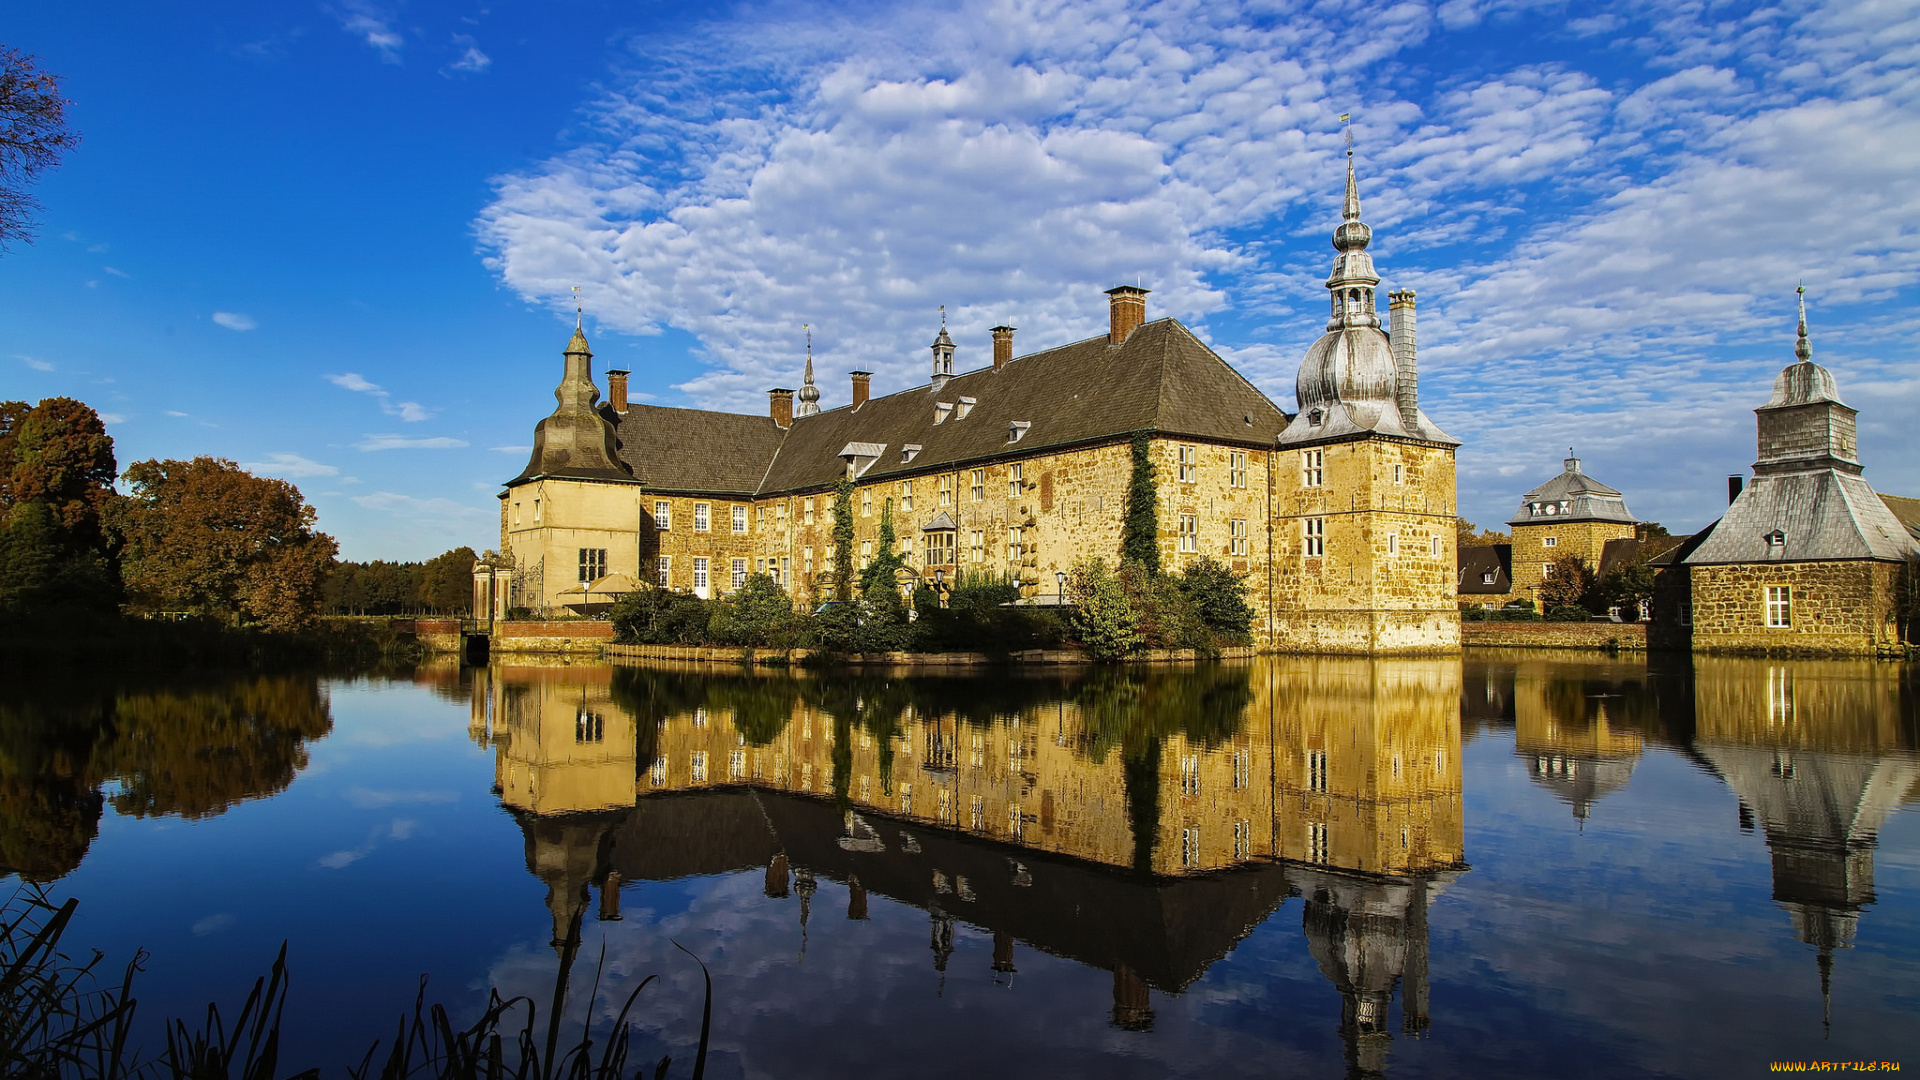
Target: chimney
(780, 406)
(862, 381)
(617, 390)
(1002, 346)
(1127, 307)
(1735, 484)
(1406, 370)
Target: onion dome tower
(809, 394)
(576, 441)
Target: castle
(1023, 467)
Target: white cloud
(113, 418)
(373, 25)
(407, 411)
(116, 273)
(402, 442)
(33, 362)
(512, 449)
(409, 506)
(471, 60)
(290, 467)
(177, 413)
(356, 383)
(233, 320)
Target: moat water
(1507, 865)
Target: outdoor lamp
(1060, 583)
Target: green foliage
(975, 620)
(56, 482)
(1219, 597)
(1103, 618)
(843, 540)
(1471, 535)
(1568, 613)
(1569, 580)
(41, 569)
(1626, 587)
(1140, 532)
(881, 573)
(759, 614)
(655, 616)
(443, 585)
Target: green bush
(654, 616)
(1103, 618)
(1568, 613)
(1218, 597)
(758, 615)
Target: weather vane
(576, 307)
(943, 316)
(1347, 119)
(809, 329)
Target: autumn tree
(1471, 535)
(1569, 580)
(208, 537)
(446, 581)
(56, 480)
(33, 136)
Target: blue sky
(336, 241)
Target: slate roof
(1586, 499)
(1905, 509)
(1824, 515)
(1480, 560)
(1162, 379)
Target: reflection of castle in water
(1140, 823)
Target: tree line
(443, 585)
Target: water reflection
(190, 751)
(1140, 822)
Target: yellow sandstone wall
(1531, 552)
(1839, 608)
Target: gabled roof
(696, 450)
(1161, 378)
(1583, 499)
(1906, 510)
(1477, 561)
(1821, 515)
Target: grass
(57, 1022)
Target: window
(1015, 821)
(1551, 541)
(658, 774)
(866, 553)
(866, 502)
(806, 561)
(1487, 578)
(906, 494)
(946, 807)
(1314, 467)
(760, 514)
(1242, 769)
(1317, 841)
(1237, 469)
(1393, 543)
(1189, 532)
(662, 515)
(593, 564)
(1776, 539)
(1317, 771)
(979, 812)
(536, 510)
(1190, 846)
(1398, 477)
(1013, 545)
(740, 519)
(786, 569)
(1237, 535)
(807, 510)
(1242, 839)
(700, 578)
(699, 766)
(1189, 469)
(739, 572)
(979, 491)
(516, 513)
(737, 764)
(780, 515)
(1190, 774)
(1316, 537)
(906, 798)
(978, 551)
(701, 514)
(1546, 571)
(664, 559)
(1015, 474)
(939, 547)
(978, 756)
(1779, 606)
(1436, 545)
(946, 491)
(589, 727)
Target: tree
(1103, 616)
(887, 562)
(446, 582)
(1471, 535)
(33, 136)
(1140, 533)
(1219, 597)
(1569, 580)
(56, 479)
(208, 537)
(843, 540)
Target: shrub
(759, 614)
(1218, 597)
(1568, 613)
(1103, 618)
(655, 616)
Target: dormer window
(965, 407)
(1776, 540)
(1018, 430)
(909, 452)
(1487, 578)
(1314, 417)
(942, 410)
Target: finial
(1351, 210)
(1347, 119)
(576, 307)
(943, 316)
(1803, 348)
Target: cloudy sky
(337, 242)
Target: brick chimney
(617, 390)
(862, 384)
(780, 406)
(1002, 346)
(1127, 305)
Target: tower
(1364, 495)
(1571, 514)
(809, 394)
(942, 354)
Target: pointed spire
(809, 394)
(1352, 234)
(1803, 348)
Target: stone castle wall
(1838, 608)
(1531, 552)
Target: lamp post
(1060, 585)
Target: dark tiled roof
(1907, 510)
(1162, 379)
(1479, 561)
(696, 450)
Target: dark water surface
(1512, 865)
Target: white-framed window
(593, 564)
(1546, 571)
(979, 489)
(1242, 769)
(1190, 846)
(1317, 771)
(786, 569)
(1243, 839)
(979, 815)
(1189, 465)
(806, 561)
(1190, 774)
(1237, 468)
(1393, 543)
(1314, 533)
(1779, 606)
(866, 502)
(1437, 545)
(1013, 545)
(702, 517)
(1317, 841)
(1189, 532)
(739, 572)
(906, 494)
(699, 766)
(1313, 467)
(1237, 536)
(1551, 541)
(977, 550)
(662, 514)
(658, 774)
(866, 553)
(1015, 474)
(516, 513)
(1399, 475)
(945, 485)
(737, 764)
(740, 520)
(700, 584)
(665, 561)
(780, 514)
(536, 511)
(807, 510)
(939, 548)
(760, 514)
